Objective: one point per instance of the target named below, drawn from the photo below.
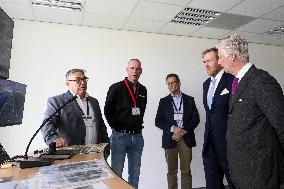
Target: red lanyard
(131, 94)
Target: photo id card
(88, 121)
(178, 117)
(135, 111)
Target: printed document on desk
(83, 175)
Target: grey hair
(234, 44)
(73, 71)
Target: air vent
(194, 16)
(76, 5)
(276, 31)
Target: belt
(128, 131)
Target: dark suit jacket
(69, 124)
(255, 134)
(216, 118)
(165, 120)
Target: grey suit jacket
(69, 124)
(255, 135)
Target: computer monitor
(6, 36)
(12, 99)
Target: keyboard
(72, 151)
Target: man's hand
(178, 133)
(60, 142)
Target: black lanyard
(173, 102)
(87, 109)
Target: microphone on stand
(30, 162)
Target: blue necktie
(210, 94)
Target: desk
(20, 174)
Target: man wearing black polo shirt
(124, 110)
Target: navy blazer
(216, 118)
(165, 120)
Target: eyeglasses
(209, 61)
(171, 83)
(79, 80)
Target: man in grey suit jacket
(80, 121)
(255, 135)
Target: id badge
(178, 117)
(88, 121)
(135, 111)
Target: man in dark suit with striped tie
(255, 135)
(216, 95)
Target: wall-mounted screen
(12, 99)
(6, 36)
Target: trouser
(185, 155)
(215, 168)
(132, 145)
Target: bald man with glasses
(80, 121)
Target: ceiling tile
(246, 35)
(23, 11)
(229, 21)
(21, 2)
(279, 42)
(277, 14)
(259, 26)
(179, 29)
(155, 11)
(265, 39)
(220, 5)
(210, 33)
(104, 21)
(57, 15)
(143, 25)
(171, 2)
(256, 8)
(111, 7)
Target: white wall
(43, 52)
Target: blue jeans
(132, 145)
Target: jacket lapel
(241, 87)
(221, 86)
(206, 88)
(186, 105)
(169, 104)
(75, 106)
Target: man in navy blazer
(80, 121)
(216, 95)
(177, 116)
(255, 133)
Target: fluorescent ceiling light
(276, 31)
(76, 5)
(194, 16)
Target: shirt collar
(130, 83)
(218, 76)
(86, 96)
(243, 71)
(177, 96)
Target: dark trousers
(215, 168)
